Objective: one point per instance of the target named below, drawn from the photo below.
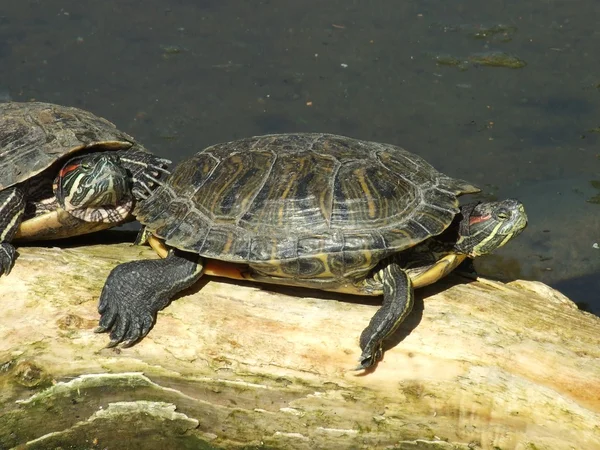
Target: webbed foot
(127, 307)
(135, 291)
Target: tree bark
(478, 364)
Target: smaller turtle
(310, 210)
(66, 172)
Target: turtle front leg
(398, 300)
(135, 291)
(12, 208)
(146, 171)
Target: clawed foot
(145, 182)
(147, 171)
(7, 258)
(123, 330)
(160, 165)
(127, 307)
(135, 291)
(156, 171)
(370, 356)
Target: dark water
(183, 74)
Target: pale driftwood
(477, 365)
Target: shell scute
(296, 194)
(34, 136)
(231, 188)
(303, 205)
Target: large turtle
(313, 210)
(66, 172)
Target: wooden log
(478, 364)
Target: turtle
(310, 210)
(66, 172)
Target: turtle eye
(86, 165)
(503, 214)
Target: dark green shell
(33, 136)
(307, 205)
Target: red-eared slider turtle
(313, 210)
(66, 172)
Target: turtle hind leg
(398, 300)
(135, 291)
(12, 208)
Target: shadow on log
(477, 365)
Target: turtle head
(486, 226)
(94, 188)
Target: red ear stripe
(65, 170)
(476, 219)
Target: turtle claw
(130, 343)
(160, 165)
(132, 335)
(140, 195)
(146, 171)
(369, 358)
(112, 344)
(135, 291)
(364, 364)
(129, 302)
(153, 180)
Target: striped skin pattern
(398, 301)
(95, 188)
(98, 171)
(12, 208)
(310, 210)
(33, 136)
(314, 207)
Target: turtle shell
(33, 136)
(307, 205)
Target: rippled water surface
(505, 94)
